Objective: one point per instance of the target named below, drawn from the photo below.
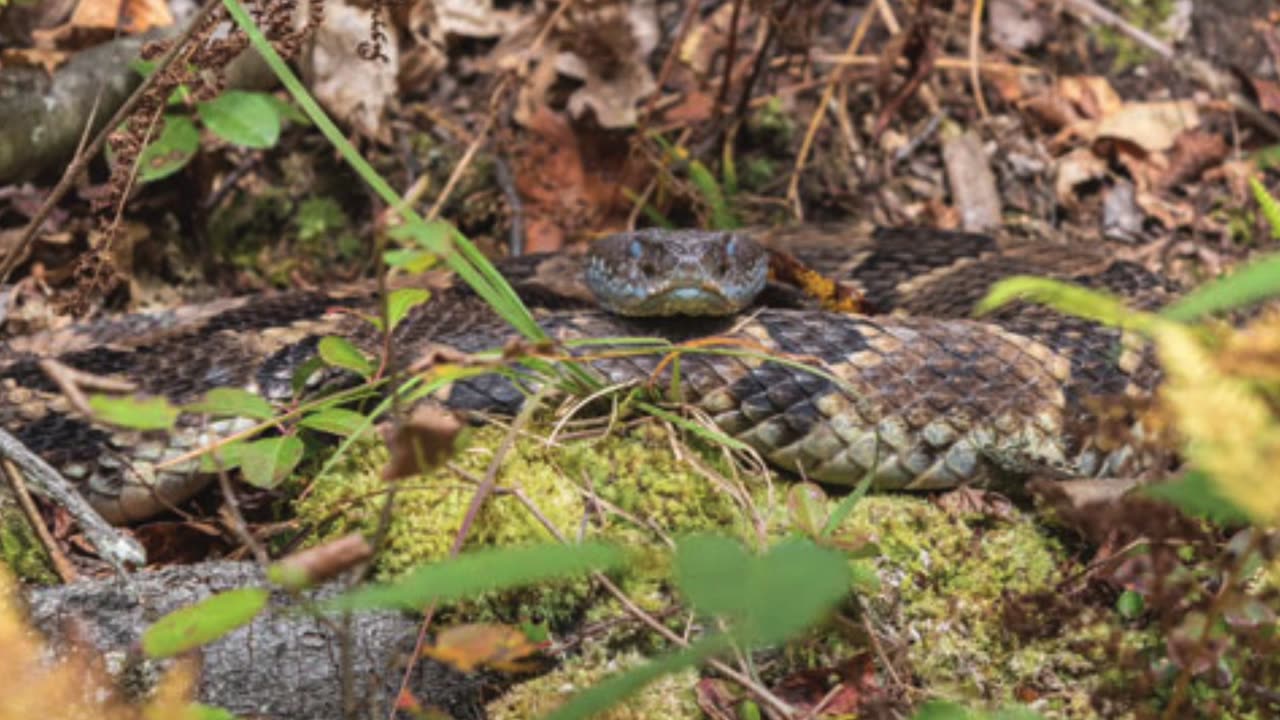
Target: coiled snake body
(914, 393)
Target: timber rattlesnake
(915, 392)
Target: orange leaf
(468, 647)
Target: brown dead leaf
(1193, 152)
(423, 440)
(1051, 109)
(94, 20)
(563, 198)
(833, 692)
(1090, 95)
(607, 46)
(707, 39)
(1152, 126)
(694, 107)
(1171, 214)
(917, 46)
(1074, 169)
(344, 75)
(468, 647)
(1267, 92)
(44, 58)
(1016, 25)
(976, 501)
(310, 567)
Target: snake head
(658, 272)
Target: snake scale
(914, 391)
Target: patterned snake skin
(914, 392)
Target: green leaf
(457, 250)
(807, 508)
(265, 463)
(765, 599)
(1129, 604)
(304, 372)
(1195, 494)
(401, 301)
(202, 623)
(200, 711)
(339, 352)
(337, 421)
(170, 151)
(1065, 297)
(233, 402)
(474, 573)
(287, 110)
(722, 217)
(226, 457)
(610, 692)
(1270, 208)
(410, 260)
(153, 413)
(247, 119)
(847, 503)
(1258, 280)
(939, 710)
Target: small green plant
(241, 118)
(716, 195)
(1219, 392)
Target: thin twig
(61, 565)
(1197, 68)
(731, 50)
(482, 493)
(113, 545)
(806, 146)
(686, 23)
(81, 162)
(773, 701)
(975, 57)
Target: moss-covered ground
(954, 601)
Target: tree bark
(285, 665)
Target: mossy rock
(946, 581)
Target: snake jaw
(651, 273)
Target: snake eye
(635, 249)
(731, 247)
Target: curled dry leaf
(607, 47)
(1090, 95)
(1016, 25)
(421, 441)
(1152, 126)
(95, 20)
(310, 567)
(1074, 169)
(355, 89)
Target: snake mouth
(701, 300)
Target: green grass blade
(1256, 281)
(451, 245)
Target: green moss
(947, 583)
(20, 549)
(670, 698)
(1149, 15)
(949, 588)
(639, 487)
